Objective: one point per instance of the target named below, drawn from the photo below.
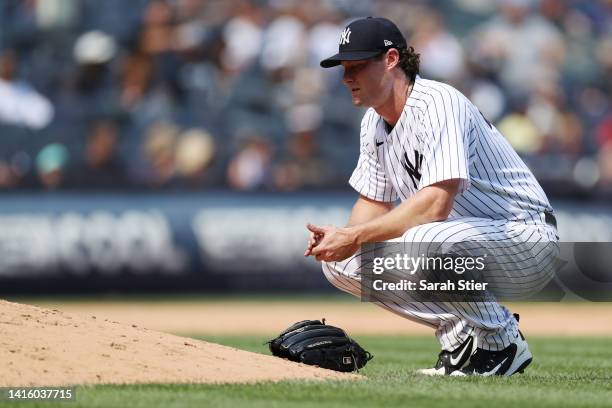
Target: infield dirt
(42, 347)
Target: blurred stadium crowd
(195, 94)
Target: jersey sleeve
(444, 129)
(369, 178)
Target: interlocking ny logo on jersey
(414, 170)
(345, 37)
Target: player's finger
(318, 249)
(313, 243)
(313, 240)
(315, 229)
(325, 256)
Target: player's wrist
(356, 234)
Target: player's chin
(358, 101)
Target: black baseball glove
(315, 343)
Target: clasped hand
(330, 243)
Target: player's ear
(392, 58)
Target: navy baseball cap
(366, 38)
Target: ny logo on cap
(344, 39)
(388, 43)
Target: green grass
(565, 373)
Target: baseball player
(457, 180)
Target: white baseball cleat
(514, 358)
(450, 361)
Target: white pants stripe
(523, 256)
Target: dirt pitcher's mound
(42, 347)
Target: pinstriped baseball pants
(524, 253)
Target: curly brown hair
(409, 62)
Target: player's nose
(347, 78)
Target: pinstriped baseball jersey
(441, 135)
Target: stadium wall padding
(211, 241)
